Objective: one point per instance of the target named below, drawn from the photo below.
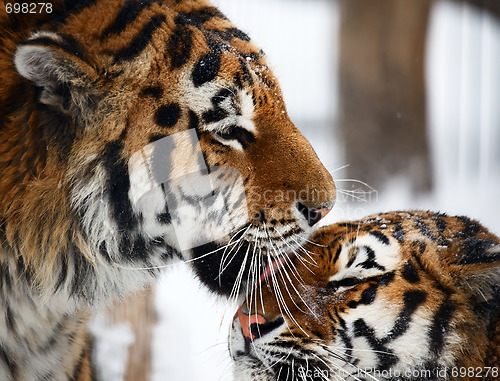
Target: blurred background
(401, 101)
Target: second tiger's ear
(478, 266)
(58, 68)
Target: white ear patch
(35, 62)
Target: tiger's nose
(313, 215)
(254, 326)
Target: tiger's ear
(479, 266)
(57, 66)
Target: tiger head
(136, 131)
(397, 296)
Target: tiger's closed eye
(237, 133)
(345, 283)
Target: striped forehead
(181, 35)
(139, 35)
(201, 63)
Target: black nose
(312, 215)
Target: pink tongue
(272, 268)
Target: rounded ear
(479, 266)
(58, 67)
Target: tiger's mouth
(268, 275)
(239, 271)
(273, 268)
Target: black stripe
(9, 363)
(441, 226)
(217, 113)
(155, 137)
(235, 33)
(447, 290)
(367, 297)
(424, 229)
(140, 41)
(246, 76)
(385, 355)
(136, 248)
(370, 263)
(25, 270)
(9, 319)
(68, 44)
(179, 46)
(439, 328)
(385, 279)
(83, 271)
(73, 7)
(441, 223)
(399, 232)
(104, 252)
(348, 225)
(55, 334)
(380, 236)
(118, 186)
(412, 300)
(337, 254)
(78, 368)
(48, 376)
(471, 227)
(259, 330)
(353, 254)
(475, 250)
(194, 120)
(342, 322)
(199, 17)
(238, 81)
(63, 273)
(348, 347)
(5, 277)
(127, 15)
(153, 91)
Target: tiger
(404, 295)
(134, 133)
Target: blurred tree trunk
(138, 312)
(382, 90)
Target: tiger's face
(150, 129)
(399, 296)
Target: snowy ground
(464, 49)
